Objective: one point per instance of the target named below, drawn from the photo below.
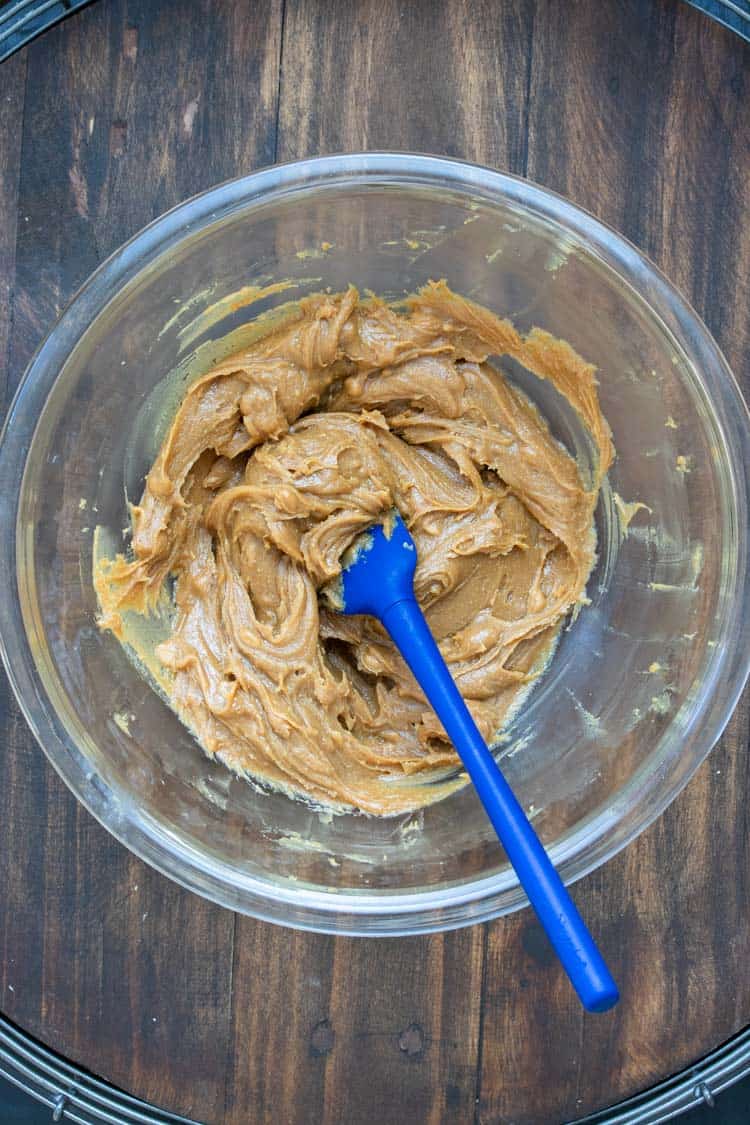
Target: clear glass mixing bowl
(643, 681)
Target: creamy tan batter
(279, 457)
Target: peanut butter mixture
(279, 457)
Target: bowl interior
(619, 720)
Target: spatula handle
(555, 909)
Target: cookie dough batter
(279, 457)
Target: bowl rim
(339, 911)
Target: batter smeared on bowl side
(279, 457)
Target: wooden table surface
(638, 110)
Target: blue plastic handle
(379, 581)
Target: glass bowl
(643, 681)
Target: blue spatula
(378, 579)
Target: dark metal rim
(698, 1085)
(71, 1094)
(733, 14)
(22, 20)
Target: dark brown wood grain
(12, 83)
(639, 111)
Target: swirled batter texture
(274, 463)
